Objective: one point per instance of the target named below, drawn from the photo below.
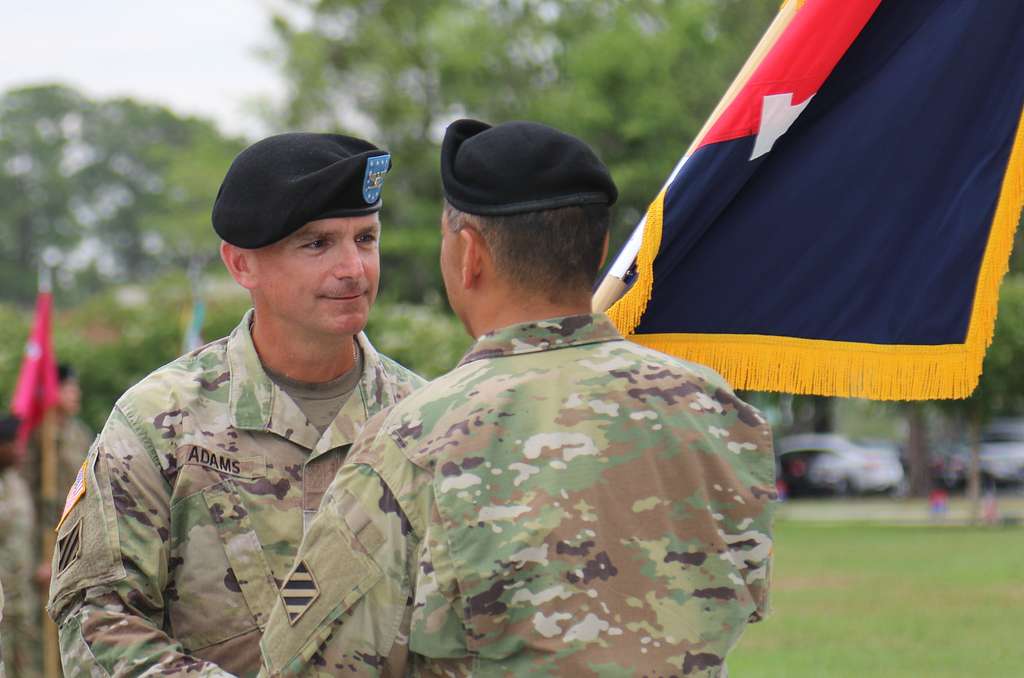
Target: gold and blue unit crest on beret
(376, 168)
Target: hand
(42, 575)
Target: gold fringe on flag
(836, 368)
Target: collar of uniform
(543, 335)
(251, 394)
(373, 392)
(255, 402)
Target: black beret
(283, 182)
(65, 372)
(8, 428)
(519, 167)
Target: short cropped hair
(8, 428)
(64, 372)
(550, 252)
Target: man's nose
(347, 263)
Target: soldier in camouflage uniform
(564, 502)
(189, 508)
(19, 630)
(3, 673)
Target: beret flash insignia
(373, 181)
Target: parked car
(947, 460)
(1001, 456)
(829, 463)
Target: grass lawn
(874, 600)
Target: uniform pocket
(220, 584)
(243, 550)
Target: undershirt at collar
(320, 402)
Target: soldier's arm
(345, 606)
(110, 566)
(2, 675)
(748, 520)
(17, 540)
(17, 561)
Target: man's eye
(366, 237)
(315, 244)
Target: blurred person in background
(73, 440)
(19, 629)
(3, 672)
(192, 503)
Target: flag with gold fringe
(842, 223)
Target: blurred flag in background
(36, 389)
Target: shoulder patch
(76, 492)
(69, 548)
(299, 591)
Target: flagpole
(48, 436)
(48, 491)
(620, 275)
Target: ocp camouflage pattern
(19, 630)
(564, 502)
(196, 494)
(3, 673)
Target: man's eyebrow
(314, 234)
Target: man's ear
(240, 263)
(476, 257)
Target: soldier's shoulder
(399, 374)
(402, 422)
(417, 418)
(80, 428)
(676, 367)
(14, 490)
(429, 393)
(180, 382)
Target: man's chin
(347, 325)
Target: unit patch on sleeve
(299, 591)
(69, 547)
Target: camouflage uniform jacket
(2, 672)
(564, 502)
(17, 564)
(195, 497)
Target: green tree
(117, 337)
(636, 79)
(1000, 391)
(117, 189)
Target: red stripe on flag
(802, 57)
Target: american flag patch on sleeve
(76, 492)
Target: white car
(829, 462)
(1002, 451)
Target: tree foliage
(116, 190)
(636, 79)
(118, 337)
(1001, 388)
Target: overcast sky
(195, 56)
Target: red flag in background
(37, 389)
